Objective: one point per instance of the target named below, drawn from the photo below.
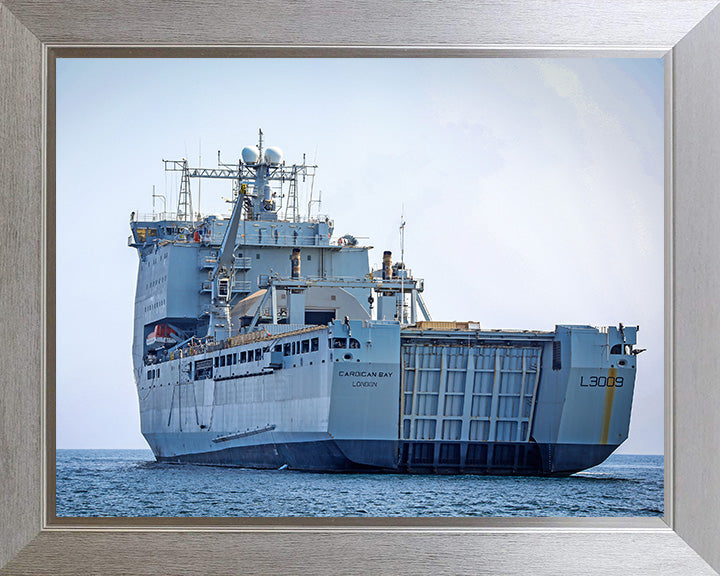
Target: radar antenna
(256, 175)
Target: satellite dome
(273, 155)
(250, 154)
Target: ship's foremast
(257, 183)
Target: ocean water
(131, 483)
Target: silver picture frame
(684, 32)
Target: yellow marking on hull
(607, 408)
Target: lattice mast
(184, 210)
(252, 177)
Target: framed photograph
(31, 533)
(497, 208)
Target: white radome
(250, 154)
(273, 155)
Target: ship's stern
(585, 397)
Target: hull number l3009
(602, 381)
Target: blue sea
(132, 483)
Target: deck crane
(222, 274)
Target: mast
(184, 210)
(402, 268)
(261, 170)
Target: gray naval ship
(260, 341)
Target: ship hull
(488, 458)
(424, 402)
(259, 343)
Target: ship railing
(243, 263)
(197, 346)
(264, 238)
(156, 216)
(208, 261)
(238, 286)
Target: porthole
(348, 356)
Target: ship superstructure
(260, 341)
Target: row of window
(156, 305)
(288, 349)
(343, 343)
(145, 233)
(242, 357)
(154, 283)
(148, 262)
(203, 368)
(299, 347)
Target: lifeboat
(162, 336)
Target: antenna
(402, 265)
(200, 180)
(402, 236)
(164, 199)
(260, 143)
(312, 187)
(318, 201)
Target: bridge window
(287, 348)
(617, 349)
(258, 354)
(243, 357)
(339, 343)
(217, 362)
(277, 348)
(305, 346)
(222, 361)
(314, 344)
(354, 343)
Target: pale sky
(532, 191)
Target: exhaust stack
(387, 265)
